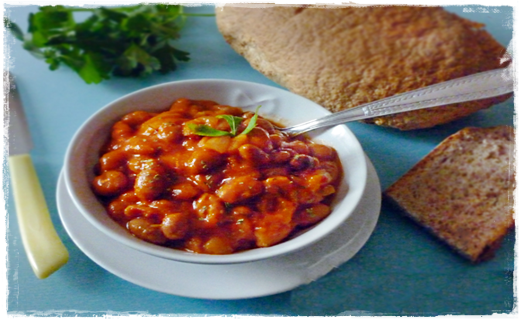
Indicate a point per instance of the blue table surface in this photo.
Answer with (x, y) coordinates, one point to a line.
(400, 271)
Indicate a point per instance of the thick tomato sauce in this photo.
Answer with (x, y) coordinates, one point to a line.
(215, 195)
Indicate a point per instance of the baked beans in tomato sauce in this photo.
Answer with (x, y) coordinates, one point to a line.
(212, 194)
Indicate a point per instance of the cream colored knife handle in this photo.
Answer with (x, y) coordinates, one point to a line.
(45, 251)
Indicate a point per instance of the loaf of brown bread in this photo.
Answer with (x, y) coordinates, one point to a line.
(342, 57)
(462, 191)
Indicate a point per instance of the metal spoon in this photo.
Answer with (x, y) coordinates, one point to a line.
(474, 87)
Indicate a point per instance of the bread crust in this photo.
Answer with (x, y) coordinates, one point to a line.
(347, 56)
(462, 191)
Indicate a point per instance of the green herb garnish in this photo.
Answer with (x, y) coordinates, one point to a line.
(252, 122)
(204, 130)
(233, 121)
(130, 41)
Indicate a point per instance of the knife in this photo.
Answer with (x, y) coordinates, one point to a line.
(45, 251)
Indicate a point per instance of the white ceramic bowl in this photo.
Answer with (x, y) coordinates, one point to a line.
(277, 104)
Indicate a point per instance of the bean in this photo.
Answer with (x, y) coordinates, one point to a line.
(260, 138)
(312, 214)
(165, 127)
(273, 227)
(318, 179)
(110, 183)
(136, 118)
(113, 160)
(195, 109)
(194, 244)
(150, 182)
(333, 169)
(209, 208)
(173, 160)
(304, 196)
(145, 230)
(236, 142)
(139, 145)
(138, 163)
(281, 156)
(133, 211)
(207, 182)
(239, 189)
(273, 172)
(170, 206)
(271, 204)
(327, 190)
(302, 162)
(267, 202)
(277, 139)
(322, 152)
(297, 146)
(141, 210)
(271, 230)
(219, 144)
(190, 141)
(206, 104)
(278, 185)
(241, 211)
(121, 130)
(266, 125)
(254, 154)
(185, 190)
(170, 133)
(225, 109)
(116, 208)
(175, 226)
(237, 166)
(181, 105)
(218, 245)
(242, 230)
(203, 160)
(285, 210)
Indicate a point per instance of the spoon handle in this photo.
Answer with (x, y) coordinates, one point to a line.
(474, 87)
(45, 251)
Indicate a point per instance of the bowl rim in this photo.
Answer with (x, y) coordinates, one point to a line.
(77, 189)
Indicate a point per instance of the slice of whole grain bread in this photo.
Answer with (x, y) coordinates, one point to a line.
(462, 191)
(342, 57)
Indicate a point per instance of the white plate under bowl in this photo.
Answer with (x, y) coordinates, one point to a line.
(277, 104)
(226, 281)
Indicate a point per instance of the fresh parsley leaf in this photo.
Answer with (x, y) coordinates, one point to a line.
(233, 121)
(204, 130)
(14, 29)
(90, 70)
(129, 41)
(135, 61)
(252, 122)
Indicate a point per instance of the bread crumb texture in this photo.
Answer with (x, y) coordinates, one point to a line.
(343, 57)
(462, 191)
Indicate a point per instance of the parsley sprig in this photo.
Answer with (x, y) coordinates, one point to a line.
(130, 41)
(233, 121)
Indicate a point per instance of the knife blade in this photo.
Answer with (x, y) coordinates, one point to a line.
(45, 250)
